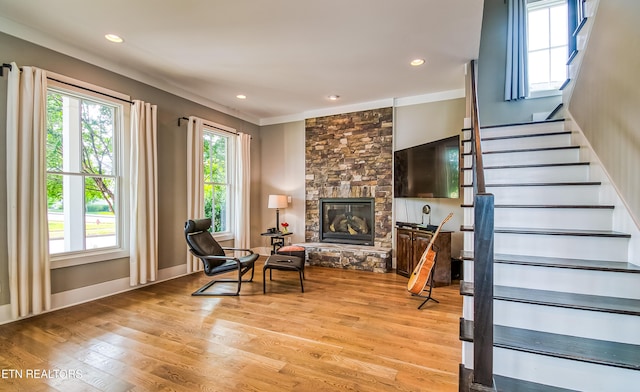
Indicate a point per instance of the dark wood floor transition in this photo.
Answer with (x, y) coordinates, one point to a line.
(349, 331)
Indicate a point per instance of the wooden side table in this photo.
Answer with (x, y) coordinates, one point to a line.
(277, 240)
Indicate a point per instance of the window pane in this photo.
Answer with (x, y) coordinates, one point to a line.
(206, 157)
(217, 156)
(558, 64)
(538, 28)
(558, 22)
(220, 208)
(100, 218)
(55, 213)
(208, 201)
(538, 67)
(54, 132)
(215, 206)
(97, 138)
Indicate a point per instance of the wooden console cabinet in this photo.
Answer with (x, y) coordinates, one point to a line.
(411, 243)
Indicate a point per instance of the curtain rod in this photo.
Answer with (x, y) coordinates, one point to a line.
(88, 89)
(210, 126)
(5, 65)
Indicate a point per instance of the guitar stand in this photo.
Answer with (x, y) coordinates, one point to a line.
(430, 284)
(428, 297)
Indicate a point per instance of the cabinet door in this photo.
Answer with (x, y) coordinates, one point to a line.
(420, 242)
(403, 252)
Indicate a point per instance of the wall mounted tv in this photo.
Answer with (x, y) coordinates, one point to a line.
(430, 170)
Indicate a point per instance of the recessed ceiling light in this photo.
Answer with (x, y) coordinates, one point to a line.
(241, 96)
(114, 38)
(417, 62)
(334, 97)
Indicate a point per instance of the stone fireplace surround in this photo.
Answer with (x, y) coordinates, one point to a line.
(350, 156)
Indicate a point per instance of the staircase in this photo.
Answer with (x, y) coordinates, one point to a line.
(566, 299)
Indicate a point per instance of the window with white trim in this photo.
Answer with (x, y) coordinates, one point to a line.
(218, 166)
(547, 44)
(85, 175)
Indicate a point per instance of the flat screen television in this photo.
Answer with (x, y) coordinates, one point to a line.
(430, 170)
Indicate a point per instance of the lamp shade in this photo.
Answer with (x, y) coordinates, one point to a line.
(277, 201)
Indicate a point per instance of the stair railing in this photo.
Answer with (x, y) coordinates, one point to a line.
(483, 228)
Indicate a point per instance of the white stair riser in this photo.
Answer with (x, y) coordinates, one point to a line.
(572, 247)
(526, 142)
(577, 247)
(564, 321)
(531, 157)
(545, 174)
(530, 129)
(574, 375)
(590, 282)
(559, 218)
(557, 195)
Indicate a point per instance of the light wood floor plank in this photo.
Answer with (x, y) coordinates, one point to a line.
(349, 331)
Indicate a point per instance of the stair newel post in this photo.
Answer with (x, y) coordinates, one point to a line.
(483, 293)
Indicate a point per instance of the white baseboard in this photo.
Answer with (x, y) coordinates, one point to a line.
(91, 293)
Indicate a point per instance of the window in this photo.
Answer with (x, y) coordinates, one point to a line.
(84, 173)
(547, 39)
(217, 160)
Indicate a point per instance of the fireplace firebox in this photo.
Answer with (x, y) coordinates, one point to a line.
(347, 220)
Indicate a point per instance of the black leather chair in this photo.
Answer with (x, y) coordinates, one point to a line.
(203, 246)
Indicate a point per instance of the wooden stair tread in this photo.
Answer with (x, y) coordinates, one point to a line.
(562, 232)
(575, 348)
(521, 150)
(523, 184)
(508, 384)
(587, 302)
(559, 262)
(528, 135)
(563, 164)
(533, 149)
(568, 300)
(516, 124)
(569, 347)
(576, 206)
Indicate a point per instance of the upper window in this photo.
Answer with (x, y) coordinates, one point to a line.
(217, 150)
(547, 39)
(84, 172)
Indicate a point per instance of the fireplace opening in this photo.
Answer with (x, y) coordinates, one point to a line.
(347, 221)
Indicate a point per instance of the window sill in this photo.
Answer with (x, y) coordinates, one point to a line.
(80, 258)
(223, 236)
(544, 94)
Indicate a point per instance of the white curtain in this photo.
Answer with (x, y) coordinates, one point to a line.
(27, 234)
(243, 191)
(516, 84)
(143, 259)
(195, 191)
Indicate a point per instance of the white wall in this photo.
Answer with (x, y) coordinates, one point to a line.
(282, 171)
(423, 123)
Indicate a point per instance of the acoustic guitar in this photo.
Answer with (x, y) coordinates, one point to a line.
(420, 276)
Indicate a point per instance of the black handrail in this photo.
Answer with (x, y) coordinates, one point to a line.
(483, 257)
(478, 167)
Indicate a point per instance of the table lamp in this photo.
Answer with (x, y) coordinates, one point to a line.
(277, 202)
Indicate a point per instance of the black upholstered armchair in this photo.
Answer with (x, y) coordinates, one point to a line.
(203, 246)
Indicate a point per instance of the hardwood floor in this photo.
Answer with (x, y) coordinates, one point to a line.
(349, 331)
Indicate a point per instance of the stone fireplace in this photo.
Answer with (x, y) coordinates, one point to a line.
(350, 156)
(347, 220)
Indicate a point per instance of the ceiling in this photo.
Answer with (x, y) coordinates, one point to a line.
(286, 56)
